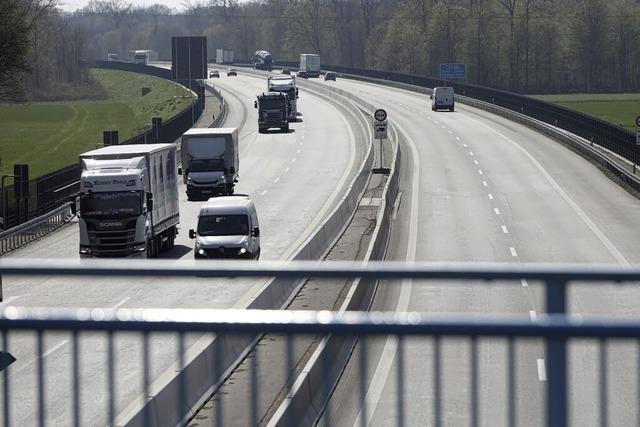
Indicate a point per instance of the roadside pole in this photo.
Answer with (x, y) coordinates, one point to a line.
(380, 133)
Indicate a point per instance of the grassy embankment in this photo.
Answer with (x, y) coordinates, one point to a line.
(50, 135)
(621, 109)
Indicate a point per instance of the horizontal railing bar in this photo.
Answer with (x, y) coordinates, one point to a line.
(33, 222)
(300, 269)
(312, 322)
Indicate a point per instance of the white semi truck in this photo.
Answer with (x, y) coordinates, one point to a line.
(210, 161)
(129, 202)
(310, 64)
(286, 84)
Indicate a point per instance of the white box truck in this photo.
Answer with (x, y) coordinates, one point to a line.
(286, 84)
(310, 64)
(224, 56)
(129, 202)
(210, 161)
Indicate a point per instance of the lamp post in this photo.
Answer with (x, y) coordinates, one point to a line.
(4, 202)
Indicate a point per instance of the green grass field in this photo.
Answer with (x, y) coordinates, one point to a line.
(50, 135)
(621, 109)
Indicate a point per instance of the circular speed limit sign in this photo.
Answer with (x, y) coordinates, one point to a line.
(381, 115)
(637, 120)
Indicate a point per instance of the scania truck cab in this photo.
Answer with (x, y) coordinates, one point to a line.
(129, 202)
(273, 111)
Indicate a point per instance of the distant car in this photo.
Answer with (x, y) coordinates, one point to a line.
(442, 98)
(232, 72)
(286, 71)
(330, 75)
(214, 73)
(303, 74)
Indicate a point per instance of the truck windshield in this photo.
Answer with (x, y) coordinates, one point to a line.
(206, 165)
(223, 225)
(111, 204)
(272, 103)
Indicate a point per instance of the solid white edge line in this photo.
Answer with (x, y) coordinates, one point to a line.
(9, 300)
(565, 196)
(54, 348)
(376, 387)
(264, 192)
(542, 370)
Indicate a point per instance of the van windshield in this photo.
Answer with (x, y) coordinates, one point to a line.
(223, 225)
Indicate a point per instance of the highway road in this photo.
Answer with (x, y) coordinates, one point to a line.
(477, 187)
(294, 179)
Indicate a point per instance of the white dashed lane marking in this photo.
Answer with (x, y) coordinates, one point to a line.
(497, 211)
(505, 230)
(513, 252)
(542, 371)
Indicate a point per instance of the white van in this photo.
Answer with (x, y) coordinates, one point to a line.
(442, 98)
(227, 228)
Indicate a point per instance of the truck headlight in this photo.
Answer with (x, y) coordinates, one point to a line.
(139, 247)
(85, 250)
(201, 251)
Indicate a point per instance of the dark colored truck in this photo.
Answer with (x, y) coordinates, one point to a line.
(273, 111)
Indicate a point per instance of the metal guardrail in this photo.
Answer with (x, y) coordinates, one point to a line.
(556, 329)
(34, 229)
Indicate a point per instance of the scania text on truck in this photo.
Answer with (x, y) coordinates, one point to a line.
(210, 161)
(286, 84)
(310, 64)
(273, 111)
(262, 60)
(129, 204)
(227, 228)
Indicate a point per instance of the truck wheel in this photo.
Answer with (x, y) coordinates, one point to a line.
(229, 189)
(261, 130)
(172, 238)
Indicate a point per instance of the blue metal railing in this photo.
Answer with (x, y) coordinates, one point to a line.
(556, 329)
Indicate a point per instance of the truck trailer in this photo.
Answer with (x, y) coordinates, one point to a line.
(286, 84)
(210, 161)
(224, 56)
(310, 64)
(129, 204)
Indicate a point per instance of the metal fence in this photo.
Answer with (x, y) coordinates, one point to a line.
(421, 365)
(610, 136)
(54, 189)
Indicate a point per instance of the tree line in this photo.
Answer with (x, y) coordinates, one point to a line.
(528, 46)
(41, 52)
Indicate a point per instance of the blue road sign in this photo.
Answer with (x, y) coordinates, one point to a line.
(453, 71)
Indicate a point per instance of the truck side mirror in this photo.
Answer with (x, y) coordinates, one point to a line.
(297, 93)
(73, 205)
(179, 171)
(256, 232)
(149, 201)
(232, 170)
(192, 234)
(255, 104)
(430, 96)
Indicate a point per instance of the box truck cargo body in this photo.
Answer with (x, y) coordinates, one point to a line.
(210, 161)
(129, 203)
(310, 64)
(224, 56)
